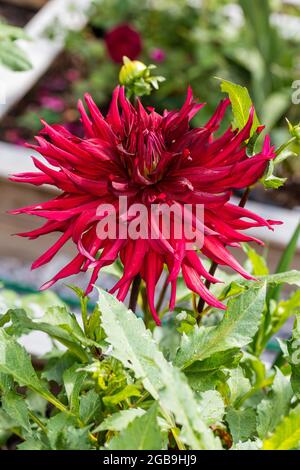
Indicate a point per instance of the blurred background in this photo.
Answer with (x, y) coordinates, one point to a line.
(70, 47)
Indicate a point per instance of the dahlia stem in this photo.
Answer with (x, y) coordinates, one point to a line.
(214, 265)
(135, 292)
(162, 295)
(201, 303)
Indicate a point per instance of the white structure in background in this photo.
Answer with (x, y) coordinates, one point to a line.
(40, 50)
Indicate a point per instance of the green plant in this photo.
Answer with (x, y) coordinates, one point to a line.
(117, 385)
(11, 55)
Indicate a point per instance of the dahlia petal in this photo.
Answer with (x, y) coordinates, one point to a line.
(49, 254)
(87, 123)
(113, 116)
(193, 282)
(69, 270)
(194, 261)
(214, 123)
(103, 129)
(216, 250)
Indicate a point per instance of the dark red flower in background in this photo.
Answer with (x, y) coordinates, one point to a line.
(122, 41)
(150, 158)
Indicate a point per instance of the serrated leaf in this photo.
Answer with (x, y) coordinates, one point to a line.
(284, 264)
(238, 385)
(247, 445)
(57, 365)
(15, 361)
(15, 406)
(259, 265)
(241, 105)
(127, 392)
(56, 426)
(271, 410)
(220, 360)
(134, 346)
(90, 407)
(212, 407)
(76, 439)
(204, 381)
(289, 277)
(32, 444)
(242, 424)
(141, 434)
(58, 323)
(293, 347)
(284, 310)
(73, 382)
(287, 434)
(119, 421)
(271, 181)
(236, 330)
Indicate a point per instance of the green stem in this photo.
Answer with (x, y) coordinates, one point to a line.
(135, 292)
(162, 295)
(37, 421)
(285, 146)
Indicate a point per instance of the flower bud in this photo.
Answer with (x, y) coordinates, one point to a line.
(294, 130)
(137, 78)
(131, 70)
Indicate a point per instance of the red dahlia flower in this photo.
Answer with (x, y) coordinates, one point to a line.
(150, 158)
(122, 41)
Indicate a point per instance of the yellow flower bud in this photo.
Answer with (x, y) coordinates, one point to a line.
(131, 70)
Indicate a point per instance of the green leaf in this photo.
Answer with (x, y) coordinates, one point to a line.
(90, 407)
(271, 410)
(284, 310)
(238, 385)
(236, 330)
(274, 107)
(212, 407)
(73, 382)
(242, 423)
(141, 434)
(247, 445)
(15, 406)
(127, 392)
(119, 421)
(259, 265)
(32, 444)
(287, 434)
(75, 438)
(134, 346)
(220, 360)
(56, 427)
(57, 364)
(12, 56)
(293, 346)
(11, 32)
(289, 277)
(205, 381)
(58, 323)
(257, 16)
(15, 361)
(284, 264)
(241, 105)
(271, 181)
